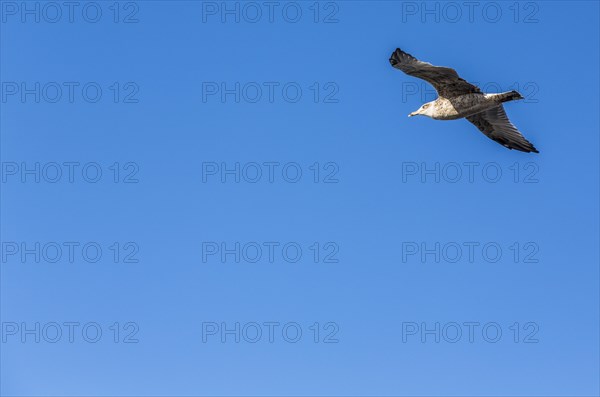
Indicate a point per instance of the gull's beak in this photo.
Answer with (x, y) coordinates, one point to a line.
(413, 114)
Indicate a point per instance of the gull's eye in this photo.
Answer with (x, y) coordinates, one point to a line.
(425, 106)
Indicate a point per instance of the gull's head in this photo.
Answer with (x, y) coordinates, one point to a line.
(425, 110)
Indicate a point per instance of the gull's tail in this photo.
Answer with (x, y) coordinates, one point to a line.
(509, 96)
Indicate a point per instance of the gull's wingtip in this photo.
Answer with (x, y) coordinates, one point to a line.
(395, 57)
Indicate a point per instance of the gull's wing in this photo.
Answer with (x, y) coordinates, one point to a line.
(495, 124)
(446, 81)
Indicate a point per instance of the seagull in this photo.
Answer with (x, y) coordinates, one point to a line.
(459, 99)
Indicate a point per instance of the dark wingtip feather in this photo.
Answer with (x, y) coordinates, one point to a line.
(399, 56)
(395, 57)
(527, 149)
(531, 148)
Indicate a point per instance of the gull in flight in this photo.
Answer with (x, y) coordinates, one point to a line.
(458, 98)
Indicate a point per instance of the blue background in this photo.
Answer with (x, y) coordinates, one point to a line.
(370, 292)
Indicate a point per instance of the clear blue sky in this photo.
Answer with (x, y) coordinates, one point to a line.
(410, 230)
